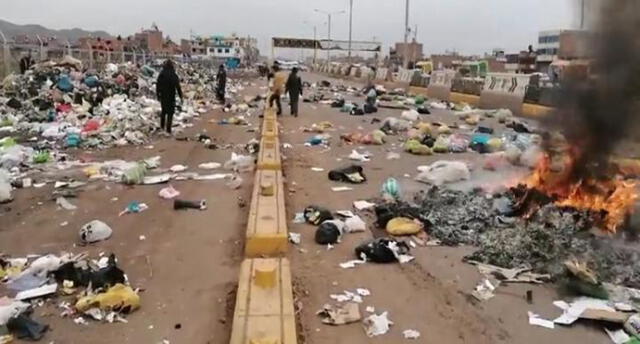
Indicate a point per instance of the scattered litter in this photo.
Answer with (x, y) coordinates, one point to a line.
(354, 224)
(536, 320)
(341, 188)
(342, 315)
(37, 292)
(377, 325)
(484, 290)
(65, 204)
(118, 298)
(178, 168)
(351, 264)
(411, 334)
(134, 208)
(95, 231)
(317, 169)
(618, 336)
(295, 238)
(442, 172)
(209, 166)
(362, 205)
(356, 156)
(182, 204)
(169, 192)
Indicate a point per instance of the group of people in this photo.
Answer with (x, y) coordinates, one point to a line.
(168, 86)
(283, 84)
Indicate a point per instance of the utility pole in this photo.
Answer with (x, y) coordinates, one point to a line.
(315, 44)
(350, 27)
(329, 14)
(582, 15)
(406, 37)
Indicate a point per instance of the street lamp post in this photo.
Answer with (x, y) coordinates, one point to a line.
(350, 27)
(315, 39)
(329, 14)
(5, 53)
(406, 37)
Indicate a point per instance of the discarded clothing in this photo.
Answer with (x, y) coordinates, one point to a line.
(352, 174)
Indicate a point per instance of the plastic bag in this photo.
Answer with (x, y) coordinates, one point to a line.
(410, 115)
(441, 145)
(240, 163)
(329, 232)
(354, 224)
(379, 250)
(391, 187)
(352, 174)
(415, 147)
(5, 187)
(403, 226)
(119, 298)
(95, 231)
(169, 192)
(459, 143)
(316, 215)
(441, 172)
(135, 174)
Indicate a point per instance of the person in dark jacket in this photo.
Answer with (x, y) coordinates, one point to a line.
(25, 63)
(167, 86)
(294, 88)
(222, 83)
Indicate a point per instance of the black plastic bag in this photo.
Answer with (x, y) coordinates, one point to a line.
(484, 130)
(23, 327)
(327, 233)
(316, 215)
(81, 277)
(368, 108)
(14, 103)
(423, 110)
(357, 112)
(337, 103)
(352, 174)
(428, 141)
(379, 251)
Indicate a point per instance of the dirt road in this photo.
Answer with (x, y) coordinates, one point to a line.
(188, 264)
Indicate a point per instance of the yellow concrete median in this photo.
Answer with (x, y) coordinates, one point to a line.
(264, 312)
(267, 224)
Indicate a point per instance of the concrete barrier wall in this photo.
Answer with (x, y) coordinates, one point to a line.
(504, 90)
(440, 84)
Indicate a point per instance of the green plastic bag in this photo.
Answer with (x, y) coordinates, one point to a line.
(42, 157)
(391, 187)
(135, 174)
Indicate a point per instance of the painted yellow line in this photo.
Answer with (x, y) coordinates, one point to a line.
(264, 312)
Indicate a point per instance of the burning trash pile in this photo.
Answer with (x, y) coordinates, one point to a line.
(80, 288)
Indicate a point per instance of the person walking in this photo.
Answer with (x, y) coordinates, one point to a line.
(222, 83)
(294, 88)
(25, 63)
(167, 86)
(277, 88)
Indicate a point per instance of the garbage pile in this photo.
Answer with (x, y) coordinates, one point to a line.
(541, 240)
(60, 106)
(81, 288)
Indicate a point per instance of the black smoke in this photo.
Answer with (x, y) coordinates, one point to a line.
(598, 112)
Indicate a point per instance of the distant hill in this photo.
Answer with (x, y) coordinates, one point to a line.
(10, 30)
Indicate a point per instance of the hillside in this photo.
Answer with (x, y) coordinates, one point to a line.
(10, 30)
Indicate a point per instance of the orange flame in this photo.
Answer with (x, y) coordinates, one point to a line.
(614, 197)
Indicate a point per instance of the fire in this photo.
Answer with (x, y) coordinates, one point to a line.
(614, 197)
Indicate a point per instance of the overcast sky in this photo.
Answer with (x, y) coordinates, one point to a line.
(468, 26)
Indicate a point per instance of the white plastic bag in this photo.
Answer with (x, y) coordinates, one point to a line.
(95, 231)
(5, 187)
(410, 115)
(442, 172)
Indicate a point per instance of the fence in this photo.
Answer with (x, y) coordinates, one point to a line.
(92, 59)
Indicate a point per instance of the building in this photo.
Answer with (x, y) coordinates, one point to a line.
(562, 44)
(150, 40)
(413, 52)
(233, 50)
